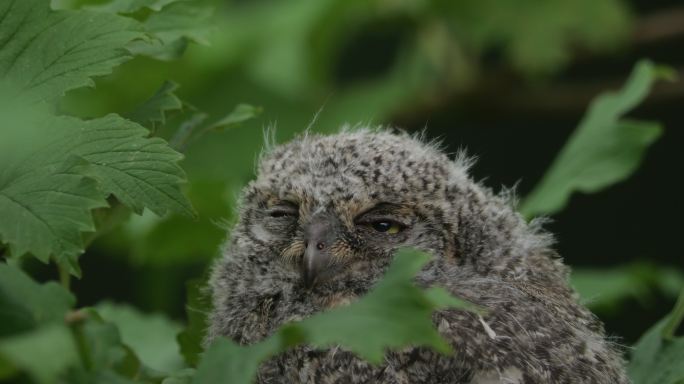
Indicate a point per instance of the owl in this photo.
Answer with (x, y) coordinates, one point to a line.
(319, 226)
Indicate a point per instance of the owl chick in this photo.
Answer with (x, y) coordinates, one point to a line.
(319, 226)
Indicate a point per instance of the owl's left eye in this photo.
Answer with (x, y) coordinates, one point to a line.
(387, 226)
(284, 210)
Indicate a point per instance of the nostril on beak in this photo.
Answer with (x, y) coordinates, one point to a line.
(315, 262)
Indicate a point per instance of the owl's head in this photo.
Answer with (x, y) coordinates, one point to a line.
(327, 212)
(335, 208)
(325, 215)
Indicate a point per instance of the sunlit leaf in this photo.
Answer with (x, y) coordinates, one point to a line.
(604, 149)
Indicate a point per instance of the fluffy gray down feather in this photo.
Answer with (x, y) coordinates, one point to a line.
(340, 188)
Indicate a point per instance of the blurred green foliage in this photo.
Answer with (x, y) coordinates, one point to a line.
(182, 69)
(152, 337)
(604, 149)
(658, 355)
(291, 58)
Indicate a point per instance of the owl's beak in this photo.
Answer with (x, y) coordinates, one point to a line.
(313, 265)
(318, 239)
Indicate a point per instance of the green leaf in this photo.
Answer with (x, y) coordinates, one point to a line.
(240, 114)
(131, 6)
(33, 336)
(152, 337)
(141, 172)
(43, 353)
(47, 209)
(606, 288)
(172, 28)
(45, 53)
(190, 130)
(105, 359)
(102, 344)
(45, 196)
(394, 314)
(7, 369)
(45, 191)
(101, 377)
(197, 307)
(181, 377)
(25, 304)
(514, 27)
(186, 129)
(226, 361)
(181, 20)
(657, 358)
(675, 319)
(152, 113)
(604, 149)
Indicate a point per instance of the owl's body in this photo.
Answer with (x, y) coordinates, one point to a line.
(319, 226)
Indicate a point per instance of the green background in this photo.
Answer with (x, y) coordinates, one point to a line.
(508, 81)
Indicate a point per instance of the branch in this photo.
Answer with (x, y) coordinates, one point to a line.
(659, 26)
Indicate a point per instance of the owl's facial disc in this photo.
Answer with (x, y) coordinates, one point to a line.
(328, 245)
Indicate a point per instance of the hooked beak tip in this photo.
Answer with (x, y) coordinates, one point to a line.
(314, 264)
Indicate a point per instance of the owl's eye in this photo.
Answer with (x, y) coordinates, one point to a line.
(387, 226)
(283, 210)
(282, 214)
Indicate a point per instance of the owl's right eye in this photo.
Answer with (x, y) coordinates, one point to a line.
(283, 210)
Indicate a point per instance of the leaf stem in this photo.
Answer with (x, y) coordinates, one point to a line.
(75, 320)
(180, 139)
(675, 319)
(64, 276)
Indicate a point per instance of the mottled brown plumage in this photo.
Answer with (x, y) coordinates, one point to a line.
(319, 226)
